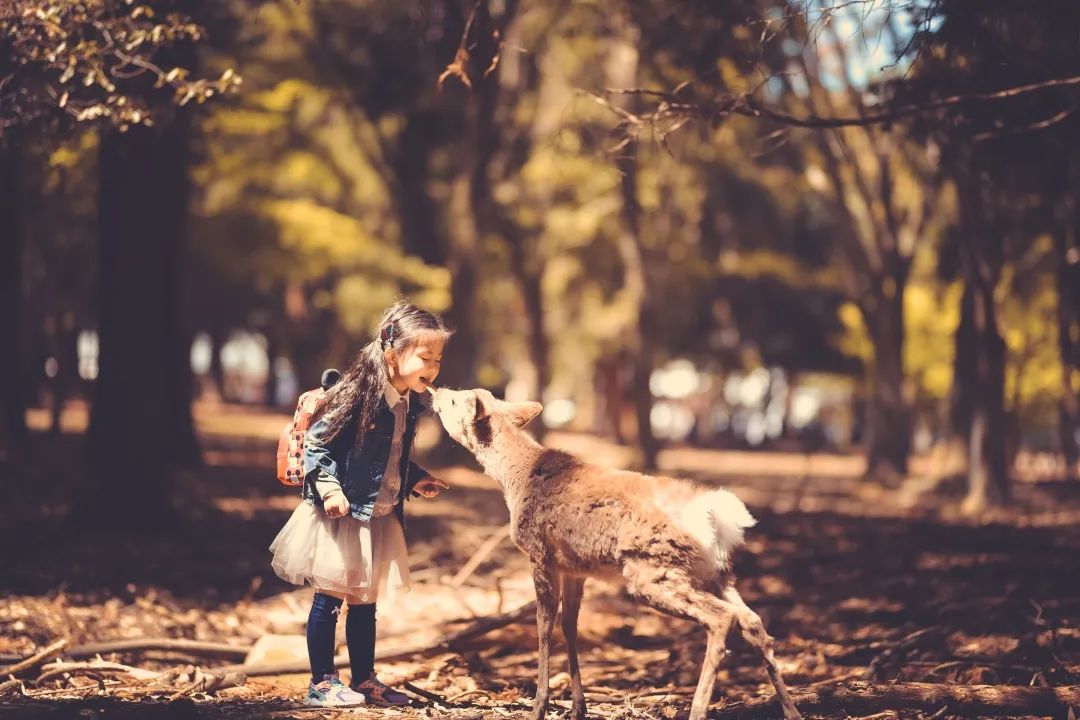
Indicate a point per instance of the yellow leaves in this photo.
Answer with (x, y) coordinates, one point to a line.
(303, 171)
(931, 314)
(283, 95)
(856, 340)
(324, 241)
(1033, 379)
(765, 263)
(732, 76)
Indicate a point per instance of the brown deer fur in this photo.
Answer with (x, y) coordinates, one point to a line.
(667, 540)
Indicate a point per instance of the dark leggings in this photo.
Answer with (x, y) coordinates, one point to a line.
(359, 636)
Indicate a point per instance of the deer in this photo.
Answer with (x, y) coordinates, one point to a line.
(667, 540)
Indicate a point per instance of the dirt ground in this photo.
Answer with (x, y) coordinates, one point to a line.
(846, 578)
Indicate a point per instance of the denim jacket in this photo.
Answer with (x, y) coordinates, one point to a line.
(360, 469)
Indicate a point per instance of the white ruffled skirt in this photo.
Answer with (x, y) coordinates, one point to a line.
(362, 561)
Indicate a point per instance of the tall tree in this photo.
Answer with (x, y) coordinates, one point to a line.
(1012, 161)
(12, 373)
(135, 421)
(119, 65)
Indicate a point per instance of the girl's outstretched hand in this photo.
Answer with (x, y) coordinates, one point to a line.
(430, 486)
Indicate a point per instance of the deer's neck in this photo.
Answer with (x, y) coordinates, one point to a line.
(509, 459)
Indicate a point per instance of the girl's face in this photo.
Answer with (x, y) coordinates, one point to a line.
(416, 366)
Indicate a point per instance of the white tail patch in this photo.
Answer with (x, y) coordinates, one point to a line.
(716, 519)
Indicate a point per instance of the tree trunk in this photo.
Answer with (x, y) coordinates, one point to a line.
(273, 350)
(1068, 317)
(139, 415)
(962, 394)
(949, 457)
(463, 262)
(641, 356)
(888, 438)
(982, 258)
(11, 366)
(66, 381)
(530, 281)
(421, 233)
(471, 220)
(218, 336)
(174, 191)
(622, 71)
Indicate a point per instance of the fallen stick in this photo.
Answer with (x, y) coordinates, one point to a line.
(36, 659)
(469, 693)
(55, 669)
(865, 698)
(480, 555)
(449, 642)
(192, 647)
(87, 689)
(210, 682)
(894, 648)
(426, 694)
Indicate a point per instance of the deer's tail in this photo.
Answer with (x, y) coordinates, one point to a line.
(717, 519)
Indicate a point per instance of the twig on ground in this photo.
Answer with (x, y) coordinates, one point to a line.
(36, 659)
(840, 678)
(192, 647)
(209, 683)
(426, 694)
(469, 693)
(863, 697)
(480, 555)
(75, 690)
(50, 671)
(888, 653)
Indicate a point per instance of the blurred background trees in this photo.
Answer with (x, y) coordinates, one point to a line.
(593, 198)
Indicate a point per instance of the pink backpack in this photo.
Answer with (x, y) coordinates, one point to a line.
(290, 449)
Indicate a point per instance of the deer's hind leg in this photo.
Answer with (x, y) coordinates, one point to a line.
(753, 631)
(674, 592)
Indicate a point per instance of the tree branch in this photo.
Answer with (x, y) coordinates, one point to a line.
(747, 105)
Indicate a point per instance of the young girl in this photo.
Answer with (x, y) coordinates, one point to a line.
(346, 539)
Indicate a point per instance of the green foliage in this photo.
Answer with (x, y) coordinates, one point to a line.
(291, 197)
(113, 60)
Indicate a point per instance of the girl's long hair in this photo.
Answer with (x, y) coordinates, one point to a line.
(355, 398)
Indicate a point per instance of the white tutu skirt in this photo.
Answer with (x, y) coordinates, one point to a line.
(362, 561)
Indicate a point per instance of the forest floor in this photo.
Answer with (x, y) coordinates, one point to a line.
(853, 582)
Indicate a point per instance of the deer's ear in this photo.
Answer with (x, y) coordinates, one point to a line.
(482, 409)
(521, 413)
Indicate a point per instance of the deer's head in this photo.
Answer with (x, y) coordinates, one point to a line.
(474, 417)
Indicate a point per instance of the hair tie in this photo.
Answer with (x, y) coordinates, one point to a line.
(386, 333)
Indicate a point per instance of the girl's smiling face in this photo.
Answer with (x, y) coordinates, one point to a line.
(415, 367)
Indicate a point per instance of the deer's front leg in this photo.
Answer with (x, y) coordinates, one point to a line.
(571, 603)
(546, 581)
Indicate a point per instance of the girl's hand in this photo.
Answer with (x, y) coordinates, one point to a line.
(430, 486)
(336, 505)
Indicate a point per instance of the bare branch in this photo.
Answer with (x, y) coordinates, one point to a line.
(749, 106)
